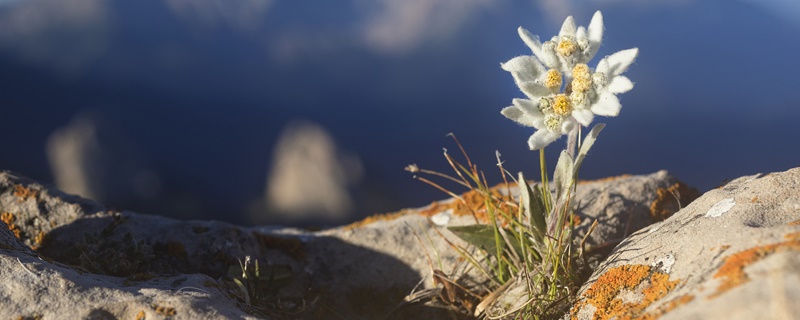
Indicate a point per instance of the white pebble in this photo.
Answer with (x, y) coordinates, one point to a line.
(441, 219)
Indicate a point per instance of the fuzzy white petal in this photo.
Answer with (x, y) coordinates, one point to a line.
(583, 116)
(531, 108)
(620, 84)
(524, 68)
(531, 40)
(568, 28)
(603, 66)
(580, 33)
(533, 89)
(607, 105)
(619, 61)
(542, 138)
(595, 34)
(550, 59)
(517, 115)
(528, 106)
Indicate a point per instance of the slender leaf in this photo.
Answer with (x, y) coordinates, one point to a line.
(483, 237)
(532, 202)
(479, 235)
(563, 175)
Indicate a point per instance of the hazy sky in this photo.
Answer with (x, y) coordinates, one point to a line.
(202, 88)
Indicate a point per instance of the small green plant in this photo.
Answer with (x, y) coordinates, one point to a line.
(528, 243)
(259, 290)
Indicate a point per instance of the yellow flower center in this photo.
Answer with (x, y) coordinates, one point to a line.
(553, 79)
(582, 78)
(581, 70)
(567, 46)
(561, 105)
(581, 84)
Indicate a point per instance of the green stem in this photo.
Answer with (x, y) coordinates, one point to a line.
(545, 184)
(497, 237)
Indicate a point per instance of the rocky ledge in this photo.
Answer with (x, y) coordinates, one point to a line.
(733, 252)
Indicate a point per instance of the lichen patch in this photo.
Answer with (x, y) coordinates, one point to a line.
(10, 220)
(23, 193)
(474, 204)
(669, 200)
(732, 273)
(607, 293)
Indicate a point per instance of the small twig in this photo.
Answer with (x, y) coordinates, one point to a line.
(26, 268)
(469, 163)
(193, 288)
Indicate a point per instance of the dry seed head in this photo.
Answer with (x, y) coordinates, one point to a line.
(599, 79)
(544, 104)
(553, 122)
(583, 44)
(562, 105)
(567, 46)
(553, 79)
(577, 98)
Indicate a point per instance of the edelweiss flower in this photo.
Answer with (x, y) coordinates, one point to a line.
(550, 116)
(572, 45)
(586, 92)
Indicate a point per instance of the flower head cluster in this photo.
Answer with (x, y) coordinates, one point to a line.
(562, 89)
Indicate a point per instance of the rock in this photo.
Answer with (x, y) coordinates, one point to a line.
(83, 259)
(734, 253)
(88, 157)
(310, 177)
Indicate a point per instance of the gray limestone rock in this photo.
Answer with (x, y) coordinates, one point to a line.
(91, 260)
(734, 253)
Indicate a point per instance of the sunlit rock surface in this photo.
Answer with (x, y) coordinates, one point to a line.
(734, 253)
(79, 258)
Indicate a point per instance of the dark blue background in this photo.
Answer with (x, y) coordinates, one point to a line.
(204, 92)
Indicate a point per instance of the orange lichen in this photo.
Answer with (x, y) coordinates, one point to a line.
(475, 204)
(140, 315)
(754, 200)
(375, 218)
(164, 311)
(38, 240)
(289, 246)
(794, 223)
(9, 220)
(732, 273)
(604, 293)
(576, 220)
(23, 193)
(666, 204)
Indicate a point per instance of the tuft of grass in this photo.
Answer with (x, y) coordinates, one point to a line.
(526, 249)
(259, 289)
